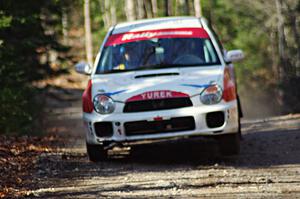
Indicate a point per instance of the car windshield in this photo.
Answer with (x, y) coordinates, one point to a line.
(157, 53)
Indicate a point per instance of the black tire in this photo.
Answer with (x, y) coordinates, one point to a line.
(240, 129)
(96, 153)
(240, 115)
(240, 107)
(229, 144)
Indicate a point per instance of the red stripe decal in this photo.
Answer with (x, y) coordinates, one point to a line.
(152, 95)
(162, 33)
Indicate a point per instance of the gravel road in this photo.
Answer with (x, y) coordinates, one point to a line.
(268, 166)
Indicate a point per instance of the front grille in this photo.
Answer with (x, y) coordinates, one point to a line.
(164, 126)
(158, 104)
(103, 129)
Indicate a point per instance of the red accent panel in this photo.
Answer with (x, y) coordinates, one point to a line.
(229, 93)
(87, 104)
(157, 118)
(162, 33)
(152, 95)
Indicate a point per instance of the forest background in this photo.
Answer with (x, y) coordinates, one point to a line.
(45, 38)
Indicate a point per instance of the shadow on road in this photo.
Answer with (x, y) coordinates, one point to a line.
(261, 150)
(192, 164)
(258, 149)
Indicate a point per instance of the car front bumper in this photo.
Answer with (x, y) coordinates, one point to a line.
(118, 120)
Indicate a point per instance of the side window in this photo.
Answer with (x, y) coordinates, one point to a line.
(209, 52)
(106, 61)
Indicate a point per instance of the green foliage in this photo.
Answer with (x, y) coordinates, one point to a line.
(252, 26)
(4, 20)
(239, 29)
(31, 29)
(23, 40)
(18, 110)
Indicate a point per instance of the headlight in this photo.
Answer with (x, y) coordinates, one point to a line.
(103, 104)
(211, 95)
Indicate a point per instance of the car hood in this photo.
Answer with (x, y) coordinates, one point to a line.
(127, 85)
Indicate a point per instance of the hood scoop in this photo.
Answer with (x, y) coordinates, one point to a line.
(155, 75)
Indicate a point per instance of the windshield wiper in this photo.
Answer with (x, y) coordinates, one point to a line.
(166, 65)
(117, 71)
(145, 67)
(156, 66)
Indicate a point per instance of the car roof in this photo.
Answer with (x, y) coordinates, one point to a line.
(157, 23)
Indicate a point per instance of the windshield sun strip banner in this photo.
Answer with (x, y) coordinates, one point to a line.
(150, 34)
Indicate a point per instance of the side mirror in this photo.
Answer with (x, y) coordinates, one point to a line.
(83, 68)
(234, 55)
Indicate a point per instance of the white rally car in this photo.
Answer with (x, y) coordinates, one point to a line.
(160, 79)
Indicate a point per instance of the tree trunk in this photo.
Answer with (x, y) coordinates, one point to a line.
(107, 20)
(179, 6)
(176, 9)
(129, 10)
(148, 9)
(281, 42)
(113, 12)
(140, 9)
(286, 72)
(154, 7)
(168, 7)
(88, 34)
(197, 6)
(212, 4)
(166, 2)
(295, 31)
(186, 7)
(273, 50)
(64, 23)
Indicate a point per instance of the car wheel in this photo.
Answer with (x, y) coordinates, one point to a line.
(240, 115)
(240, 129)
(229, 144)
(96, 153)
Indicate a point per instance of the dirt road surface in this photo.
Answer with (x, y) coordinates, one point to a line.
(268, 166)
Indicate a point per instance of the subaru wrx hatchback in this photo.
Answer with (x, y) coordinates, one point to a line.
(159, 79)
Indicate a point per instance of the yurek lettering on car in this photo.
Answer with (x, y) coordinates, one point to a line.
(160, 79)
